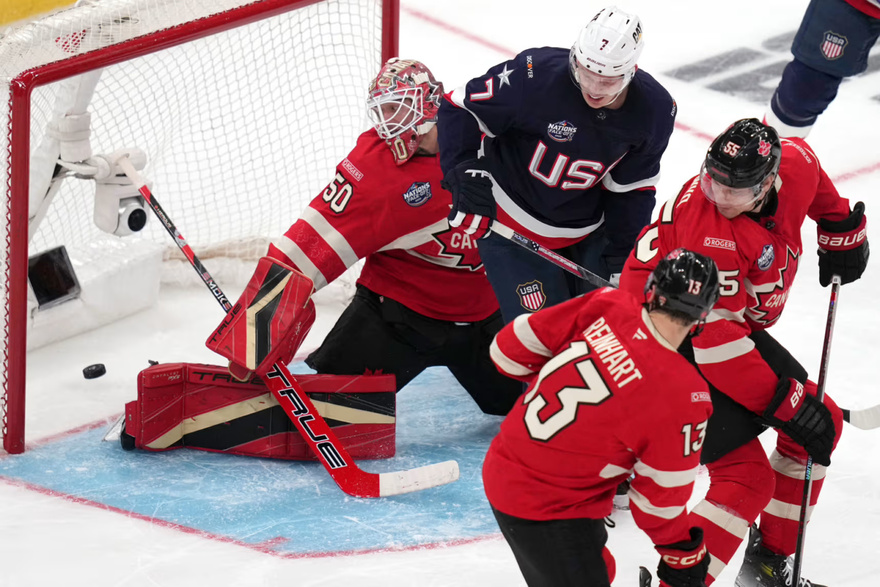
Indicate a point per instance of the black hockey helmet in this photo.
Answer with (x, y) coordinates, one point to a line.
(744, 155)
(684, 282)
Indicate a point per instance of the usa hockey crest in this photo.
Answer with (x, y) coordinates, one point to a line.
(833, 45)
(531, 295)
(418, 193)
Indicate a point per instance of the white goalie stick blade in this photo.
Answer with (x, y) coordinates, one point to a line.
(867, 419)
(115, 430)
(417, 479)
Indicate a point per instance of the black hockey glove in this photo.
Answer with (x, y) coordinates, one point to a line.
(804, 418)
(843, 247)
(685, 563)
(473, 205)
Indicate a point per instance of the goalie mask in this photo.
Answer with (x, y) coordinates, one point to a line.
(603, 59)
(403, 104)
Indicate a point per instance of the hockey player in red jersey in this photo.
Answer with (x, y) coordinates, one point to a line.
(422, 298)
(745, 210)
(608, 396)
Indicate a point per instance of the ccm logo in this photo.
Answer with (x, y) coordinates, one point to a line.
(683, 562)
(843, 242)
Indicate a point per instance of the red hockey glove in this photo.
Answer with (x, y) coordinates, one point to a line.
(843, 247)
(804, 418)
(268, 322)
(685, 563)
(473, 205)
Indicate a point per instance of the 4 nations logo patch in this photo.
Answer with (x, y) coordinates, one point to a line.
(531, 295)
(766, 258)
(562, 131)
(418, 193)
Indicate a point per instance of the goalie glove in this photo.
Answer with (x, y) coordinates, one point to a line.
(803, 418)
(473, 205)
(843, 247)
(268, 322)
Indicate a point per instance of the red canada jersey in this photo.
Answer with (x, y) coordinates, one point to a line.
(396, 218)
(757, 260)
(608, 396)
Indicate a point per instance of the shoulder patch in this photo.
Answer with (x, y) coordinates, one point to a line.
(700, 396)
(351, 169)
(418, 193)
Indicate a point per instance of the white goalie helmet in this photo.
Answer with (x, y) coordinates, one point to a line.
(609, 46)
(403, 102)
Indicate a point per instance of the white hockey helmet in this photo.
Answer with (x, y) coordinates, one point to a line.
(403, 102)
(610, 45)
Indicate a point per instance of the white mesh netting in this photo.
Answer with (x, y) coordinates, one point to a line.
(241, 128)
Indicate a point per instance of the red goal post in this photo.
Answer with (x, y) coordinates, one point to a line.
(242, 108)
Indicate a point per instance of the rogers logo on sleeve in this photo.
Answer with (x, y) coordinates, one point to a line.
(719, 243)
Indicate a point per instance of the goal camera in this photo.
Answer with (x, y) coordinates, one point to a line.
(119, 208)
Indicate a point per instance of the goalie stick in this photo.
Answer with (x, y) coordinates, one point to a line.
(299, 408)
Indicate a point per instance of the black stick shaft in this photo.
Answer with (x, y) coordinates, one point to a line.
(820, 394)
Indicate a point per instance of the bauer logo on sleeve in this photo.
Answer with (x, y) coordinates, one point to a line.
(418, 193)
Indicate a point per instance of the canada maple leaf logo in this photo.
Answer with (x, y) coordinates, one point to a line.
(763, 148)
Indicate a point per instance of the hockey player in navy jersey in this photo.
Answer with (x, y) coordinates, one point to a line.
(832, 43)
(571, 154)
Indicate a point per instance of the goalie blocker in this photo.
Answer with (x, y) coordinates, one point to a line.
(185, 405)
(268, 322)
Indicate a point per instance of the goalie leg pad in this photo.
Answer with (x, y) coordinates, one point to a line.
(269, 321)
(184, 405)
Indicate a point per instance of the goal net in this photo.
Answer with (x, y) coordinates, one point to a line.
(242, 109)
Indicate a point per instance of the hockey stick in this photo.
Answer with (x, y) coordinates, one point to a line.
(549, 254)
(820, 394)
(299, 408)
(867, 419)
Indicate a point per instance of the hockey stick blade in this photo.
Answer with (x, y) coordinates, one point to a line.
(320, 438)
(867, 419)
(549, 254)
(296, 404)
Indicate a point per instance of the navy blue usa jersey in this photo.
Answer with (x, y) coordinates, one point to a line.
(563, 168)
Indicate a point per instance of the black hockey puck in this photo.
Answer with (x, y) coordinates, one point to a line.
(93, 371)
